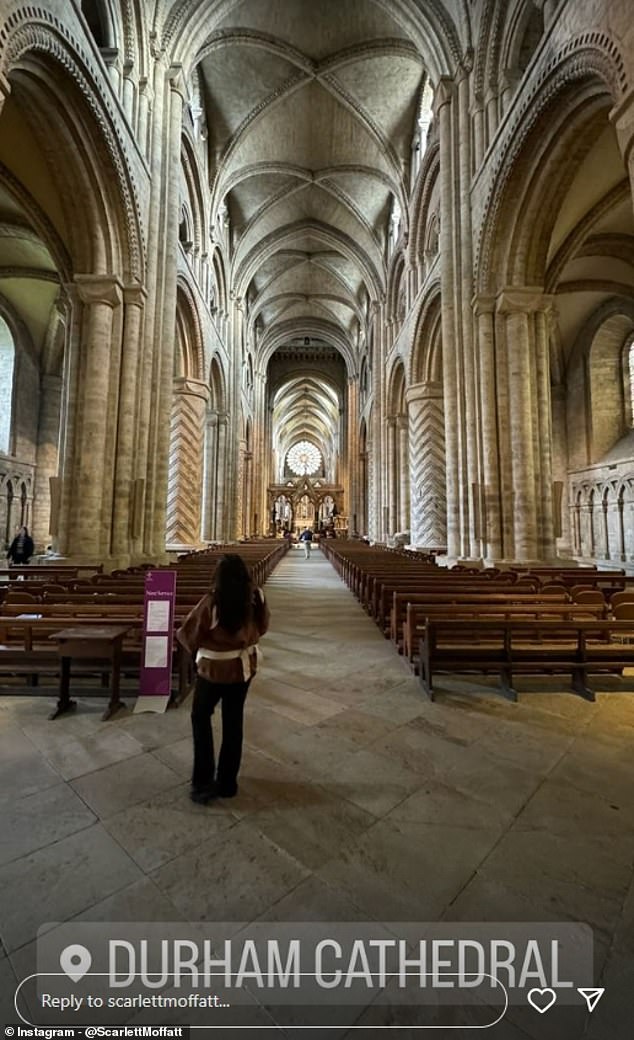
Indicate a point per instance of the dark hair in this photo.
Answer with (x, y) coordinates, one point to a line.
(233, 592)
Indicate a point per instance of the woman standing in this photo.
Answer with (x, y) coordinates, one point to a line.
(223, 631)
(21, 548)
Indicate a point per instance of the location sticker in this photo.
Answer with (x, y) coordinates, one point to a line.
(75, 960)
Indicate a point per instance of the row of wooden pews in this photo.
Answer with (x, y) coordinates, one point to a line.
(530, 621)
(34, 610)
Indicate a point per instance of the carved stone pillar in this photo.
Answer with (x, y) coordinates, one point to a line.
(428, 488)
(403, 474)
(210, 476)
(46, 457)
(168, 317)
(392, 476)
(184, 495)
(221, 527)
(478, 117)
(529, 411)
(240, 489)
(444, 104)
(92, 476)
(353, 451)
(490, 505)
(134, 300)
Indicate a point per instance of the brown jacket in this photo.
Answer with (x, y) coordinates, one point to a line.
(200, 630)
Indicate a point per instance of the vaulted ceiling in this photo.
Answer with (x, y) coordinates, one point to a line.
(311, 109)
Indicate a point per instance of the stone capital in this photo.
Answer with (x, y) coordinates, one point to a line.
(135, 295)
(444, 93)
(523, 300)
(191, 388)
(176, 80)
(483, 305)
(110, 56)
(426, 391)
(97, 288)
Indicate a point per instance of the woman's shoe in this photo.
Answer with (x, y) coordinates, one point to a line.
(203, 795)
(227, 792)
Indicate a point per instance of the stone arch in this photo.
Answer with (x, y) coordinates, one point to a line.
(54, 82)
(597, 411)
(396, 288)
(196, 200)
(426, 354)
(217, 384)
(426, 181)
(398, 482)
(523, 31)
(103, 22)
(556, 119)
(189, 339)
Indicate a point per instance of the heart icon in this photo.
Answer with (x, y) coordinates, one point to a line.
(541, 999)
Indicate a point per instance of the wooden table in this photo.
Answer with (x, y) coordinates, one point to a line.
(97, 642)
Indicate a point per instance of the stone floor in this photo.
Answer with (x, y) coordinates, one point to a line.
(359, 800)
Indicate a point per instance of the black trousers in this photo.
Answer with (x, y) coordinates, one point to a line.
(206, 696)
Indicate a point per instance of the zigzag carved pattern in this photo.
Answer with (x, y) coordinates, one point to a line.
(427, 472)
(184, 485)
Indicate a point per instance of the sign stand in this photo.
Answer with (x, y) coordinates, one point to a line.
(155, 681)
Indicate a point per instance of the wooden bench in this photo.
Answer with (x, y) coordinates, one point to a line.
(505, 648)
(404, 622)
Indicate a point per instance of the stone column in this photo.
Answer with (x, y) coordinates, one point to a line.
(128, 93)
(210, 476)
(240, 489)
(221, 526)
(428, 487)
(247, 523)
(92, 478)
(134, 300)
(544, 432)
(168, 316)
(403, 474)
(46, 457)
(143, 111)
(518, 359)
(491, 105)
(392, 476)
(467, 373)
(529, 418)
(353, 451)
(443, 102)
(184, 489)
(490, 519)
(150, 361)
(479, 147)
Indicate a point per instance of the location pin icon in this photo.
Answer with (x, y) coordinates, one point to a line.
(75, 960)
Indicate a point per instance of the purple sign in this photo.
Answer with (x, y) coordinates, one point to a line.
(158, 632)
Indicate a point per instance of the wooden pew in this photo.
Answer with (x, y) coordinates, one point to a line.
(578, 648)
(405, 622)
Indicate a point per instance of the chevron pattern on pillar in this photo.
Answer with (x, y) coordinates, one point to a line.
(185, 471)
(427, 472)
